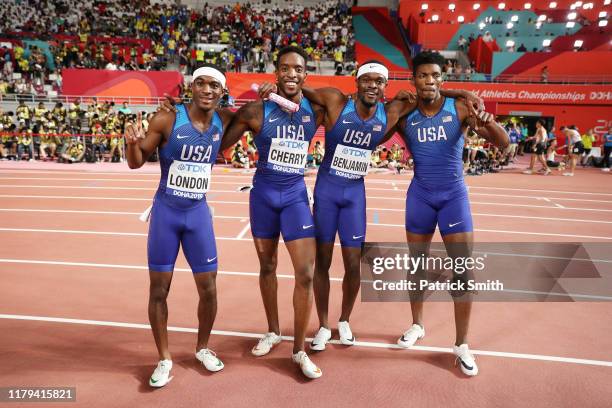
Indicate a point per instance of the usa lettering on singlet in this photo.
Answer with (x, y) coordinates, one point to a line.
(350, 142)
(188, 157)
(284, 140)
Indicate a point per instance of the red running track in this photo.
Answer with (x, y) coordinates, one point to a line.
(74, 293)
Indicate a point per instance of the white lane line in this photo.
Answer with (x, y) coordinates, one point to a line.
(559, 205)
(216, 175)
(57, 197)
(368, 344)
(137, 234)
(153, 188)
(139, 267)
(243, 232)
(243, 219)
(232, 217)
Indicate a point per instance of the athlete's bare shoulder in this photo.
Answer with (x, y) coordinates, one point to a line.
(162, 122)
(226, 115)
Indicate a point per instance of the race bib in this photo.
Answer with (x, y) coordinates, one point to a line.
(188, 179)
(288, 156)
(350, 162)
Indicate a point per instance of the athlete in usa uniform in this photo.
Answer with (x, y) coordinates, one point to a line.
(278, 202)
(188, 143)
(434, 133)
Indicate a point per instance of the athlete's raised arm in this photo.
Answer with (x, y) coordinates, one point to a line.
(141, 145)
(247, 118)
(484, 124)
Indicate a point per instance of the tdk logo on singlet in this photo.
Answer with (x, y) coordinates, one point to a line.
(431, 134)
(193, 168)
(196, 153)
(355, 152)
(295, 132)
(292, 144)
(356, 137)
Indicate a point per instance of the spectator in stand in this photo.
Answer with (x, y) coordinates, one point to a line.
(544, 75)
(607, 150)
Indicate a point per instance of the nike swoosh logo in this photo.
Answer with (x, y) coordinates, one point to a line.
(403, 339)
(306, 226)
(273, 120)
(210, 260)
(360, 236)
(153, 381)
(181, 137)
(465, 365)
(452, 225)
(344, 121)
(415, 123)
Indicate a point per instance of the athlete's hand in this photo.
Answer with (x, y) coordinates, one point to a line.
(134, 132)
(475, 104)
(266, 89)
(168, 105)
(404, 95)
(485, 118)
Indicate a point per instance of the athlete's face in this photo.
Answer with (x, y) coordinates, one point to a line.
(427, 81)
(206, 92)
(371, 88)
(291, 74)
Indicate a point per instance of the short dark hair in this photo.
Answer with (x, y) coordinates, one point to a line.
(540, 121)
(288, 50)
(427, 57)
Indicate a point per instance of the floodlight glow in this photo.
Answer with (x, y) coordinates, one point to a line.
(578, 43)
(546, 43)
(571, 16)
(424, 6)
(527, 6)
(501, 6)
(460, 19)
(476, 6)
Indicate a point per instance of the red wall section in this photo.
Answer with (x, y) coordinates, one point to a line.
(565, 63)
(96, 82)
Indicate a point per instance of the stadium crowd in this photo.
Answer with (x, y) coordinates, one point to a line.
(112, 35)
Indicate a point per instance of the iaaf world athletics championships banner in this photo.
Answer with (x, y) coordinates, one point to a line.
(156, 83)
(240, 85)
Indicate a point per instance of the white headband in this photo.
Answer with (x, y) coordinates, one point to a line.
(373, 68)
(211, 72)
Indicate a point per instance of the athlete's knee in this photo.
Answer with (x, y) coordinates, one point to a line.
(158, 292)
(267, 267)
(304, 277)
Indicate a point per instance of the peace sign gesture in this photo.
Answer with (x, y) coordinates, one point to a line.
(134, 132)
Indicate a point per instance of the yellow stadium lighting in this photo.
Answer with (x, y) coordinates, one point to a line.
(553, 4)
(542, 17)
(570, 24)
(571, 16)
(602, 23)
(476, 6)
(603, 14)
(424, 6)
(451, 7)
(435, 17)
(501, 6)
(527, 6)
(578, 43)
(546, 43)
(460, 19)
